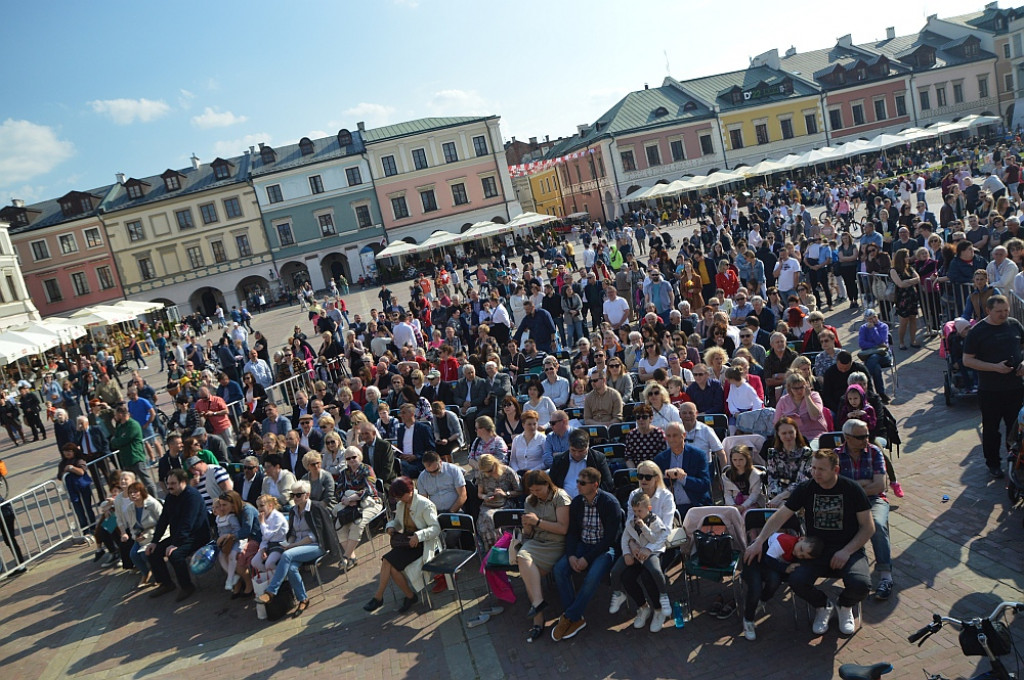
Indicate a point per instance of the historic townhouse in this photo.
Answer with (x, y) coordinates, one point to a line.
(319, 209)
(16, 307)
(190, 237)
(64, 251)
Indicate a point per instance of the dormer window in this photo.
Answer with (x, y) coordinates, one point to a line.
(862, 73)
(267, 154)
(344, 138)
(21, 219)
(172, 183)
(305, 146)
(690, 106)
(660, 111)
(221, 168)
(971, 49)
(134, 191)
(85, 204)
(67, 207)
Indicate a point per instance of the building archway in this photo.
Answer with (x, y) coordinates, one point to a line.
(206, 299)
(294, 274)
(250, 287)
(498, 220)
(335, 265)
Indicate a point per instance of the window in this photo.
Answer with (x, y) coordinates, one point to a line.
(1008, 82)
(326, 222)
(926, 102)
(184, 218)
(106, 277)
(134, 191)
(232, 208)
(1006, 51)
(93, 238)
(221, 170)
(353, 176)
(490, 187)
(419, 159)
(983, 87)
(388, 163)
(628, 162)
(429, 200)
(244, 248)
(80, 283)
(858, 114)
(52, 290)
(459, 194)
(901, 105)
(835, 119)
(736, 138)
(761, 131)
(653, 156)
(880, 109)
(787, 128)
(480, 146)
(135, 232)
(676, 148)
(707, 146)
(209, 213)
(316, 184)
(11, 287)
(68, 244)
(284, 233)
(958, 93)
(450, 154)
(305, 146)
(940, 95)
(195, 257)
(40, 251)
(274, 193)
(146, 269)
(363, 218)
(399, 207)
(172, 182)
(219, 254)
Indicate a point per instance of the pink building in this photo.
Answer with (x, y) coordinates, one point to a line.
(65, 256)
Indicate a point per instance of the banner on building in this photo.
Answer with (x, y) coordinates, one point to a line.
(523, 169)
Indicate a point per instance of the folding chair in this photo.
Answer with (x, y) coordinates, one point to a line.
(627, 409)
(574, 413)
(613, 453)
(598, 433)
(508, 519)
(625, 483)
(829, 440)
(450, 561)
(719, 422)
(693, 570)
(617, 431)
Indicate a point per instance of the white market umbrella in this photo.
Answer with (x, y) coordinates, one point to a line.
(722, 177)
(65, 333)
(765, 167)
(789, 162)
(138, 307)
(439, 239)
(101, 315)
(12, 350)
(530, 219)
(885, 141)
(41, 341)
(397, 249)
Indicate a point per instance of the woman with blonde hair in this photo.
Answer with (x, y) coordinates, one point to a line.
(716, 358)
(497, 488)
(359, 502)
(663, 411)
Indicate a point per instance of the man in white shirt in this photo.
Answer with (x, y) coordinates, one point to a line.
(754, 238)
(501, 324)
(1001, 270)
(403, 334)
(616, 309)
(786, 273)
(588, 257)
(556, 388)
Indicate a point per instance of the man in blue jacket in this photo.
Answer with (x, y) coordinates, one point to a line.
(185, 515)
(540, 326)
(414, 439)
(686, 470)
(595, 518)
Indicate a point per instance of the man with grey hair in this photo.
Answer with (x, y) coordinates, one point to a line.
(1001, 270)
(499, 384)
(249, 483)
(863, 462)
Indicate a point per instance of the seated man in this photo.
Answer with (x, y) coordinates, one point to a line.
(837, 511)
(863, 462)
(184, 519)
(707, 393)
(700, 436)
(566, 466)
(557, 440)
(377, 452)
(470, 394)
(603, 405)
(555, 386)
(414, 439)
(686, 470)
(595, 518)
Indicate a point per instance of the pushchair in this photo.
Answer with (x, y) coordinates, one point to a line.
(1015, 461)
(958, 382)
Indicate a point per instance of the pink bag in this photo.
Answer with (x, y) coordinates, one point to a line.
(498, 581)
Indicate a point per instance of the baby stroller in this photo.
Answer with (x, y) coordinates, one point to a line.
(958, 381)
(1015, 461)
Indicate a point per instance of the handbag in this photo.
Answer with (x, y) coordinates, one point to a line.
(83, 482)
(882, 291)
(714, 551)
(514, 546)
(676, 538)
(399, 540)
(498, 558)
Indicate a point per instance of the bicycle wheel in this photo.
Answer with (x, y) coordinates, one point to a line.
(3, 486)
(855, 228)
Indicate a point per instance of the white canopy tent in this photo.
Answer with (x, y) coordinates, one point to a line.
(102, 315)
(11, 350)
(52, 326)
(396, 249)
(530, 219)
(138, 307)
(765, 167)
(40, 341)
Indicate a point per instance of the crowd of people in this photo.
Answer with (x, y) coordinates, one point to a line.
(531, 383)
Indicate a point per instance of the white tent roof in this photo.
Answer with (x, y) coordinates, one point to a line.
(648, 192)
(397, 248)
(13, 349)
(765, 167)
(138, 307)
(789, 161)
(438, 239)
(884, 141)
(530, 219)
(40, 341)
(102, 315)
(815, 156)
(722, 177)
(64, 332)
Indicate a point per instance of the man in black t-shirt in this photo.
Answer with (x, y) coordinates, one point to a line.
(837, 511)
(994, 349)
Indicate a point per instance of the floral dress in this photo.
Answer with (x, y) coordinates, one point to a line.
(787, 469)
(907, 299)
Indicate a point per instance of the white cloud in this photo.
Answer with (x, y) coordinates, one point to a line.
(456, 102)
(185, 98)
(374, 115)
(28, 150)
(212, 118)
(212, 84)
(411, 4)
(234, 147)
(127, 111)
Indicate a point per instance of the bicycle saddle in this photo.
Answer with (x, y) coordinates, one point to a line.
(851, 671)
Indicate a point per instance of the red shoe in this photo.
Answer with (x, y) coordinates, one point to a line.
(897, 489)
(440, 585)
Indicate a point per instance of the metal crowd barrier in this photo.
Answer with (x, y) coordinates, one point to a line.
(938, 303)
(35, 523)
(1016, 306)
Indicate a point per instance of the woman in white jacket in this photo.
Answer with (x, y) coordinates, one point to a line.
(143, 516)
(665, 411)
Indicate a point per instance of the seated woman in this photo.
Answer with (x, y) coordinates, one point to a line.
(321, 482)
(147, 512)
(787, 459)
(545, 523)
(497, 488)
(741, 482)
(644, 441)
(358, 501)
(310, 536)
(414, 532)
(487, 441)
(662, 410)
(528, 448)
(803, 405)
(447, 429)
(250, 535)
(510, 419)
(538, 403)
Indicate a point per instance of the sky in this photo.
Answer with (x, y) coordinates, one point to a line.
(93, 89)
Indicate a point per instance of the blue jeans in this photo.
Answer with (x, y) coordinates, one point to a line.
(289, 565)
(139, 559)
(874, 365)
(880, 539)
(573, 332)
(576, 602)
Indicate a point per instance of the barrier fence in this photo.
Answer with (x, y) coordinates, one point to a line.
(938, 301)
(35, 523)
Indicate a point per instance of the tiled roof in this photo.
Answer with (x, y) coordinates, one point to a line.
(817, 63)
(290, 156)
(715, 88)
(193, 181)
(415, 127)
(49, 212)
(902, 46)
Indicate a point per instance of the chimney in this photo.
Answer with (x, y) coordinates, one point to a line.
(582, 128)
(195, 161)
(533, 141)
(890, 33)
(252, 149)
(361, 126)
(120, 177)
(791, 51)
(17, 203)
(646, 86)
(547, 138)
(845, 41)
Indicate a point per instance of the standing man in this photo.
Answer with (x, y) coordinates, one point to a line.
(993, 348)
(540, 326)
(184, 513)
(215, 410)
(30, 407)
(131, 454)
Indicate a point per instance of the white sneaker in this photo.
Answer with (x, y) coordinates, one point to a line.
(642, 615)
(821, 619)
(618, 599)
(658, 620)
(749, 630)
(847, 623)
(666, 605)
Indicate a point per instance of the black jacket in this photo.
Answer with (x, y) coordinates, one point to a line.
(381, 457)
(100, 444)
(186, 517)
(255, 488)
(610, 512)
(322, 526)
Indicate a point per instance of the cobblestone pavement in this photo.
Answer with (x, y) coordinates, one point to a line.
(68, 618)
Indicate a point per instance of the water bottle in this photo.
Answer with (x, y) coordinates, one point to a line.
(679, 612)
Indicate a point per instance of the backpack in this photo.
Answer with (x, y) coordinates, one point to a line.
(891, 430)
(714, 551)
(756, 422)
(282, 603)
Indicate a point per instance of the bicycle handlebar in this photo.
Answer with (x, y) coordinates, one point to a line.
(938, 620)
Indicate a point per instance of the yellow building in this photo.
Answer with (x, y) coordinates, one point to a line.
(191, 238)
(547, 192)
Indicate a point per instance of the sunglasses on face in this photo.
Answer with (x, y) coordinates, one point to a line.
(644, 478)
(351, 457)
(643, 417)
